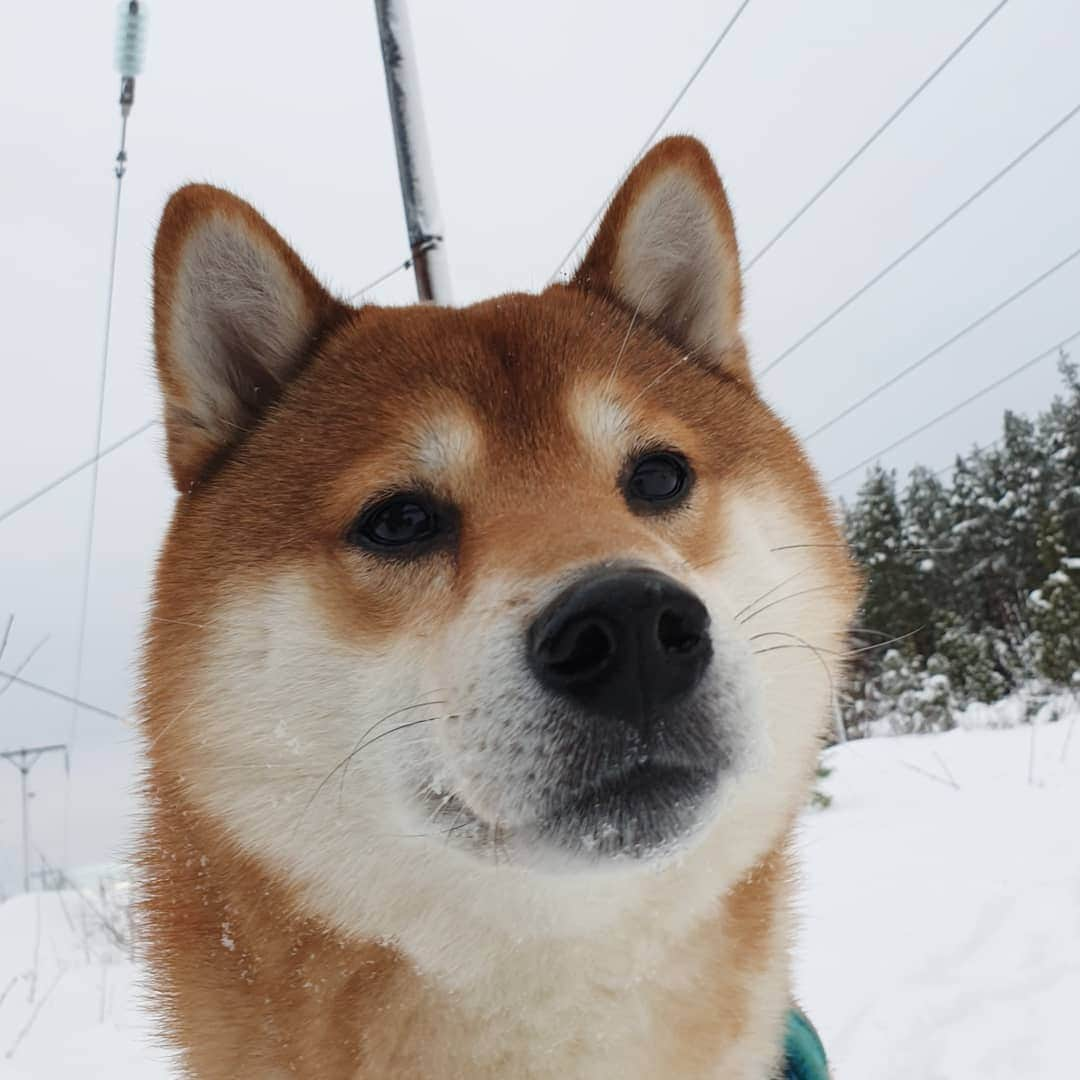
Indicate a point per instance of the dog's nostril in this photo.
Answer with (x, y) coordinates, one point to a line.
(676, 633)
(580, 650)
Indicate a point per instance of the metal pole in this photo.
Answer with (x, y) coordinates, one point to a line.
(23, 773)
(422, 216)
(24, 759)
(838, 720)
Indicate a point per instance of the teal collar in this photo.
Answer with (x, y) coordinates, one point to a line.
(804, 1056)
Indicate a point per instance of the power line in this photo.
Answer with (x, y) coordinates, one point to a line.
(938, 349)
(395, 269)
(978, 451)
(956, 408)
(909, 251)
(12, 510)
(718, 41)
(128, 61)
(975, 452)
(48, 690)
(24, 663)
(895, 115)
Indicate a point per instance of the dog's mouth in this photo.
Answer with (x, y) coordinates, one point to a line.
(638, 813)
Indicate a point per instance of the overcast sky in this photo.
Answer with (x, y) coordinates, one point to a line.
(534, 111)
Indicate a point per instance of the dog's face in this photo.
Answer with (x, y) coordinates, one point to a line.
(539, 583)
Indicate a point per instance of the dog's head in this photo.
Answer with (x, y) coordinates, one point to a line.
(539, 583)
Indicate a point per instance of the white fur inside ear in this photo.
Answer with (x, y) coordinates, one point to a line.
(239, 321)
(678, 266)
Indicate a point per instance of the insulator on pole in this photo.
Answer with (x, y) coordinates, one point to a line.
(130, 48)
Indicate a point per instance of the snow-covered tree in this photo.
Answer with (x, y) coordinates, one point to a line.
(926, 544)
(1056, 617)
(980, 574)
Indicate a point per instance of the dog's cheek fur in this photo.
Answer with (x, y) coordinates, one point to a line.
(325, 813)
(276, 696)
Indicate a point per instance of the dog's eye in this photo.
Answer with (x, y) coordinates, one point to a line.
(397, 524)
(657, 480)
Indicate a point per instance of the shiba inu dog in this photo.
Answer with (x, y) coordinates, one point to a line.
(488, 660)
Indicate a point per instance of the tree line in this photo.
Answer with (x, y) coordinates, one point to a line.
(975, 570)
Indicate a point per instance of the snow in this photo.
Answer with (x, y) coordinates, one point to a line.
(941, 906)
(940, 920)
(70, 1005)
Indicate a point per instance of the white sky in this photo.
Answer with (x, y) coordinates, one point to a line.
(534, 111)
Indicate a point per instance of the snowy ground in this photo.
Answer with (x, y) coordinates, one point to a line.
(941, 936)
(941, 924)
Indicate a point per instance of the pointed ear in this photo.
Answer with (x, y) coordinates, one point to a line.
(666, 250)
(235, 314)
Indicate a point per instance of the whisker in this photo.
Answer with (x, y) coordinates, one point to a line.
(455, 825)
(846, 655)
(702, 346)
(182, 713)
(393, 731)
(798, 547)
(626, 340)
(843, 544)
(785, 599)
(378, 723)
(178, 622)
(781, 633)
(753, 603)
(887, 642)
(344, 763)
(804, 644)
(652, 382)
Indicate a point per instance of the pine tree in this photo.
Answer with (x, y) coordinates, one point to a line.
(876, 535)
(985, 570)
(1059, 427)
(926, 544)
(1056, 616)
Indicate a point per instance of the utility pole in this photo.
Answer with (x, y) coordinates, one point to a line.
(422, 216)
(24, 759)
(838, 718)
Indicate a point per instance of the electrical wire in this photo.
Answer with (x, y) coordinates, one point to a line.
(878, 132)
(396, 269)
(956, 408)
(978, 451)
(70, 699)
(717, 42)
(12, 510)
(909, 251)
(938, 349)
(103, 375)
(975, 452)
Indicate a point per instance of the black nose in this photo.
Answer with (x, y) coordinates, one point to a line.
(622, 643)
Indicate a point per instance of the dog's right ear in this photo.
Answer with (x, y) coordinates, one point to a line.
(235, 313)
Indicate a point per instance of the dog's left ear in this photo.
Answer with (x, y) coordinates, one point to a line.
(666, 250)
